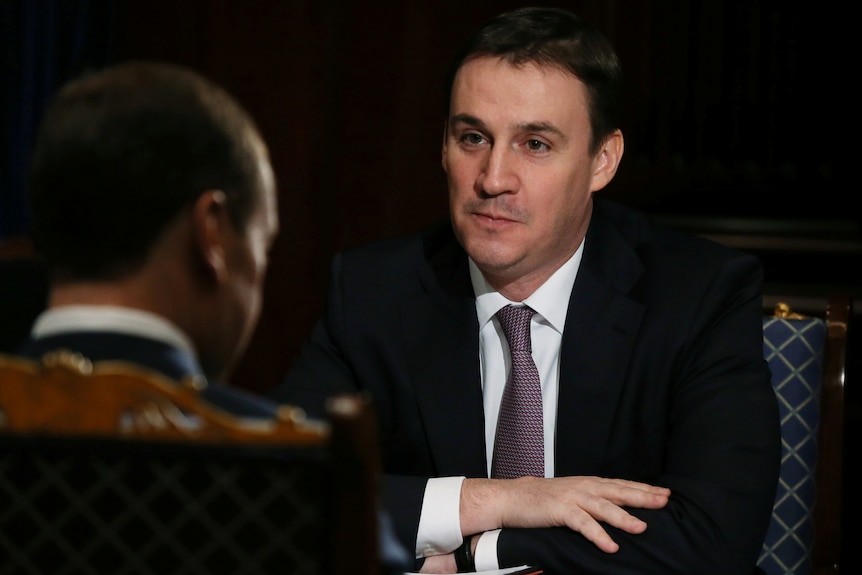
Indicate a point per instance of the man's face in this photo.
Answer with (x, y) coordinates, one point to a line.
(247, 261)
(516, 154)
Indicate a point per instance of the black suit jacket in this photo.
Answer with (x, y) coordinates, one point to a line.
(662, 380)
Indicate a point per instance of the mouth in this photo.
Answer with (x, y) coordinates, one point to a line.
(493, 223)
(493, 218)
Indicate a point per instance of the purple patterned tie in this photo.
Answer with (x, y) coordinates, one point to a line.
(519, 447)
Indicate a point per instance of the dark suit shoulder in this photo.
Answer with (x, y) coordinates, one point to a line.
(645, 234)
(158, 356)
(439, 237)
(433, 257)
(665, 269)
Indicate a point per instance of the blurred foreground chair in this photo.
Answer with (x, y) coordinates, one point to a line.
(105, 468)
(807, 356)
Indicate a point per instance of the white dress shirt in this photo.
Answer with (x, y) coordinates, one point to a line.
(74, 318)
(439, 523)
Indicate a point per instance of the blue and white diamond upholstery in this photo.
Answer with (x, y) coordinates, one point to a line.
(794, 350)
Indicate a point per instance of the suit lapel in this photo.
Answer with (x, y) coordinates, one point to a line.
(441, 336)
(601, 327)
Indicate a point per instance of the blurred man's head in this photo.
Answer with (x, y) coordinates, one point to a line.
(151, 187)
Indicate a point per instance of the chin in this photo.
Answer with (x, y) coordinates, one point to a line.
(492, 256)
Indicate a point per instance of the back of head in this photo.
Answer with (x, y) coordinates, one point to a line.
(557, 38)
(123, 151)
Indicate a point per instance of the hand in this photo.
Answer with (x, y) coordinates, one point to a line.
(578, 503)
(445, 563)
(439, 564)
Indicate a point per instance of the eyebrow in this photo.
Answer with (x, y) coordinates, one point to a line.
(541, 127)
(467, 119)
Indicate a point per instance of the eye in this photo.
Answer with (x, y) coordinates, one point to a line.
(472, 138)
(536, 145)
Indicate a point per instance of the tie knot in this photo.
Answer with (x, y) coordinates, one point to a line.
(515, 321)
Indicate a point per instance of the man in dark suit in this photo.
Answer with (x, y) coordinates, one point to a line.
(657, 436)
(154, 207)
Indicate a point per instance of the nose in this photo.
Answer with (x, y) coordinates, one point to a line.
(498, 175)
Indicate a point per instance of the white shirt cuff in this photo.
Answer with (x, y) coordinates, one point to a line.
(440, 521)
(485, 556)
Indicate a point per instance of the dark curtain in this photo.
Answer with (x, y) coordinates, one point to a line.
(43, 43)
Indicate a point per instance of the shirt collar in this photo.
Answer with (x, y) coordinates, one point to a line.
(89, 318)
(551, 300)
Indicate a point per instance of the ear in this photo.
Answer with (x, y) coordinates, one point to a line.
(209, 226)
(607, 161)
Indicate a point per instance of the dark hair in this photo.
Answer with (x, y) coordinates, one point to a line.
(553, 37)
(122, 151)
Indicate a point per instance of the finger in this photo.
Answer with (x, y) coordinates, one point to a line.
(623, 494)
(635, 485)
(603, 510)
(584, 524)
